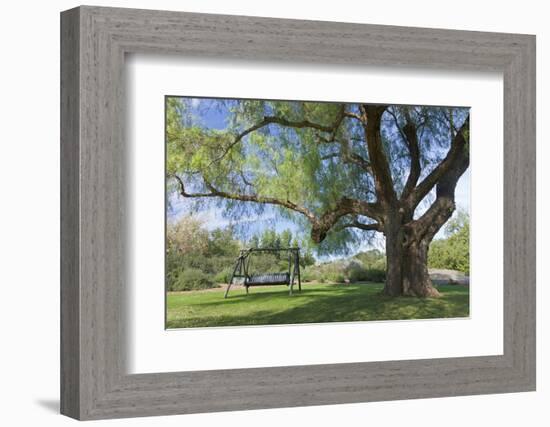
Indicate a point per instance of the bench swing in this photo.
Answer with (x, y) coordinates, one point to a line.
(242, 268)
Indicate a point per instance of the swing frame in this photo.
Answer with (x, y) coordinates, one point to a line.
(242, 264)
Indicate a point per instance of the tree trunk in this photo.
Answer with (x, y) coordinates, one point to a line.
(394, 257)
(416, 279)
(407, 266)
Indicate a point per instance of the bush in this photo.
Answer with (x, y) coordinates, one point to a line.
(223, 276)
(336, 276)
(310, 275)
(358, 273)
(375, 275)
(192, 279)
(370, 257)
(454, 251)
(379, 264)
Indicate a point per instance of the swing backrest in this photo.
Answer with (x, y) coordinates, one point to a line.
(268, 279)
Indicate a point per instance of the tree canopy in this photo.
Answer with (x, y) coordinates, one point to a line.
(310, 160)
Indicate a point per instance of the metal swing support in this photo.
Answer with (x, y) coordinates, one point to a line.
(241, 270)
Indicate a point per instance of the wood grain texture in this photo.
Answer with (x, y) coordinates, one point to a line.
(94, 267)
(70, 313)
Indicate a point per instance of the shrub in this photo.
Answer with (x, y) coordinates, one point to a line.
(191, 279)
(223, 276)
(454, 251)
(358, 273)
(336, 276)
(171, 278)
(266, 262)
(310, 275)
(379, 264)
(375, 275)
(370, 257)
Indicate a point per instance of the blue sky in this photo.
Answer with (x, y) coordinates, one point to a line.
(213, 216)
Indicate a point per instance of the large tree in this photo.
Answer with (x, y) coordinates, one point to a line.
(345, 171)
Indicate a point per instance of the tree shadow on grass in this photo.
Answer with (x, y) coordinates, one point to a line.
(334, 304)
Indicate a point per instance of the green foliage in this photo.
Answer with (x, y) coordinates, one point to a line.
(222, 243)
(372, 259)
(265, 262)
(369, 266)
(312, 275)
(306, 258)
(197, 258)
(460, 220)
(224, 276)
(335, 276)
(358, 273)
(254, 241)
(187, 236)
(271, 239)
(192, 279)
(452, 252)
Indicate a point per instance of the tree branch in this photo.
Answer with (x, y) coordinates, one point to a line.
(330, 156)
(320, 225)
(456, 152)
(411, 140)
(245, 180)
(375, 226)
(300, 124)
(383, 181)
(267, 120)
(214, 192)
(427, 226)
(345, 206)
(353, 116)
(444, 205)
(347, 155)
(396, 121)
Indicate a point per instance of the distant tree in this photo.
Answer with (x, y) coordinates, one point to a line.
(286, 239)
(197, 258)
(343, 171)
(452, 252)
(254, 241)
(457, 222)
(187, 236)
(222, 242)
(370, 257)
(306, 254)
(306, 258)
(270, 239)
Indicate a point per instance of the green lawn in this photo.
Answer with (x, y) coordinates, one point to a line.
(316, 303)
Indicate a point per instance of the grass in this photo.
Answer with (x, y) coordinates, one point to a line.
(316, 303)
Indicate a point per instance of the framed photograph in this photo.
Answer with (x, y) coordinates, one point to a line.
(262, 213)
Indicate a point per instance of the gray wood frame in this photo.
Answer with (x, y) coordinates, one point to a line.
(94, 382)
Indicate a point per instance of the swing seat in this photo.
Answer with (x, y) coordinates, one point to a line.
(268, 279)
(240, 272)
